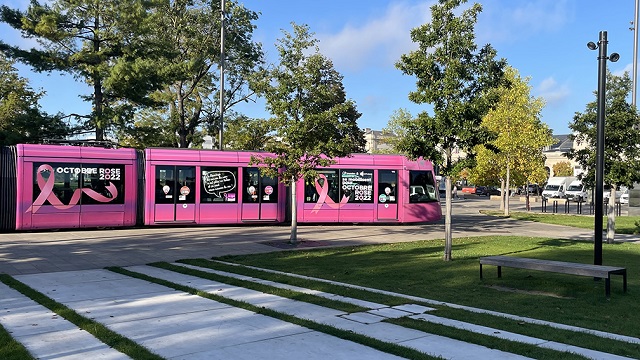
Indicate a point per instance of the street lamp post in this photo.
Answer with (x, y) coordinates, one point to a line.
(602, 88)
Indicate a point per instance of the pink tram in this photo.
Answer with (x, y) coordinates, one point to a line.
(55, 186)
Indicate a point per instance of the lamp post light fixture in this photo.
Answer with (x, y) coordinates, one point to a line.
(602, 82)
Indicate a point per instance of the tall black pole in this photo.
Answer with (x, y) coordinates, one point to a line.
(602, 74)
(222, 56)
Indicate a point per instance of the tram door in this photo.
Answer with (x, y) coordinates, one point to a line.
(387, 194)
(175, 194)
(259, 196)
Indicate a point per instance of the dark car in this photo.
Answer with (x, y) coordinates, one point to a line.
(481, 190)
(492, 190)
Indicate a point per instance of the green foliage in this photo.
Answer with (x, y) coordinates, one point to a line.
(104, 43)
(521, 136)
(243, 133)
(190, 33)
(455, 77)
(562, 168)
(21, 119)
(622, 134)
(313, 120)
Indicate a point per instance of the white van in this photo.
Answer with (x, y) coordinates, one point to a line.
(576, 191)
(557, 186)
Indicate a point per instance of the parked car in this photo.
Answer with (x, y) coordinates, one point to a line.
(481, 190)
(469, 189)
(492, 190)
(624, 198)
(534, 189)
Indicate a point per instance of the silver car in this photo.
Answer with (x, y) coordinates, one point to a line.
(624, 198)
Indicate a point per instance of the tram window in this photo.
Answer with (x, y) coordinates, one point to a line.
(422, 187)
(219, 185)
(326, 184)
(357, 185)
(104, 184)
(269, 189)
(65, 178)
(387, 181)
(165, 184)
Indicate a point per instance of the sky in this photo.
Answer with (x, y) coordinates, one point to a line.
(545, 40)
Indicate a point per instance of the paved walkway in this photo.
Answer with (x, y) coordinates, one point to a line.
(68, 267)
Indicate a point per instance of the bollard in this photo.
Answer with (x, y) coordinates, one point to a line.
(543, 205)
(566, 206)
(555, 206)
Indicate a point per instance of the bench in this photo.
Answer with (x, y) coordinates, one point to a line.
(596, 271)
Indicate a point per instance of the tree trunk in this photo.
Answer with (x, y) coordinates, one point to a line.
(506, 203)
(503, 198)
(611, 216)
(447, 221)
(293, 239)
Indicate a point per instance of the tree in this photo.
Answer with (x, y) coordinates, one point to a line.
(105, 43)
(191, 28)
(622, 134)
(521, 135)
(313, 119)
(562, 168)
(21, 119)
(454, 76)
(243, 133)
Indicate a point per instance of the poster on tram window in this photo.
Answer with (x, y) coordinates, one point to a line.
(219, 185)
(357, 185)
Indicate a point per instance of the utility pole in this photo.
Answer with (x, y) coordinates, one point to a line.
(635, 54)
(220, 146)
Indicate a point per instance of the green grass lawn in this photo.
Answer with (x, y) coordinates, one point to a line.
(417, 269)
(624, 224)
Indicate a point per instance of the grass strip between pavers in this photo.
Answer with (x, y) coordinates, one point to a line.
(290, 294)
(10, 349)
(584, 340)
(443, 330)
(383, 346)
(101, 332)
(296, 281)
(544, 332)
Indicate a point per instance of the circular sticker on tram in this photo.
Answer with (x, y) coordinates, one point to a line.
(382, 198)
(268, 190)
(184, 206)
(166, 189)
(185, 190)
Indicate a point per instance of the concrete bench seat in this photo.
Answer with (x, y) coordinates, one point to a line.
(596, 271)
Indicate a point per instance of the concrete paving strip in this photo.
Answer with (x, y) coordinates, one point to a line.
(45, 334)
(378, 313)
(506, 335)
(428, 343)
(182, 326)
(603, 334)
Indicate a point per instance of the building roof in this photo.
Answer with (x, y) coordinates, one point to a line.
(562, 144)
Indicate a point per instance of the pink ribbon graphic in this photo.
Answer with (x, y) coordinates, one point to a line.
(46, 192)
(323, 191)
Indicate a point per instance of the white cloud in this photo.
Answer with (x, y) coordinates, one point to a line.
(380, 41)
(626, 69)
(552, 92)
(509, 21)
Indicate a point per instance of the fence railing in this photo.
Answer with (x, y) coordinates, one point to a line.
(575, 206)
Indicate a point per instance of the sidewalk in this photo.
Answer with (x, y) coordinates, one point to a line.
(68, 267)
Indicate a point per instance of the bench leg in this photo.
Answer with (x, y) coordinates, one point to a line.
(607, 285)
(499, 271)
(624, 280)
(481, 271)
